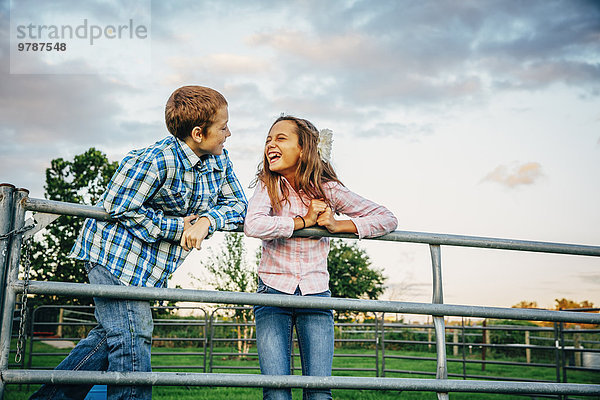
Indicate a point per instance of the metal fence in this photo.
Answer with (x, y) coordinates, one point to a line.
(219, 336)
(15, 202)
(550, 347)
(81, 320)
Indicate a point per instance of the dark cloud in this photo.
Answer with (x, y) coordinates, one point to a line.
(46, 116)
(354, 60)
(394, 53)
(416, 53)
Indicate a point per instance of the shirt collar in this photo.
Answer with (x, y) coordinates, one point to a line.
(189, 158)
(289, 185)
(205, 163)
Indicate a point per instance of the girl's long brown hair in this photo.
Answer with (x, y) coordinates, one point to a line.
(311, 173)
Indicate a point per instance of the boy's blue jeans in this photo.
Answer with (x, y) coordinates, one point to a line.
(120, 342)
(274, 328)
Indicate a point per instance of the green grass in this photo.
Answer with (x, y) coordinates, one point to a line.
(18, 392)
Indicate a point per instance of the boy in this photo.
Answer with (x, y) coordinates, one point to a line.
(164, 200)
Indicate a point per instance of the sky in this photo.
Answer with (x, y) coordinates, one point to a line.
(477, 118)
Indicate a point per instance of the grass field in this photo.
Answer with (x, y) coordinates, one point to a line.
(362, 361)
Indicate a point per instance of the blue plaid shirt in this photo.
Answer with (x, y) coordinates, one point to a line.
(150, 193)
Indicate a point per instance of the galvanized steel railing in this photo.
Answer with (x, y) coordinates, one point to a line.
(87, 320)
(15, 202)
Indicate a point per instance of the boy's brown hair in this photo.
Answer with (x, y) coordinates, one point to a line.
(191, 106)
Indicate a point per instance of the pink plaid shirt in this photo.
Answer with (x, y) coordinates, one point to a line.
(286, 262)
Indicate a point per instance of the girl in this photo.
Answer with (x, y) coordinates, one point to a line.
(298, 188)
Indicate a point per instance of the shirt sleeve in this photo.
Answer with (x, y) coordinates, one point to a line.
(260, 223)
(230, 208)
(133, 184)
(371, 219)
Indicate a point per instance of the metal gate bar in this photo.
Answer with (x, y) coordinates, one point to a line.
(21, 203)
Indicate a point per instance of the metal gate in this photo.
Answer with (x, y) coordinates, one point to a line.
(15, 202)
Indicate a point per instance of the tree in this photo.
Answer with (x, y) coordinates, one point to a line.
(351, 274)
(81, 180)
(561, 304)
(526, 304)
(229, 267)
(565, 304)
(230, 272)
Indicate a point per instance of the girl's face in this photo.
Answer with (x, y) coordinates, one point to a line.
(282, 150)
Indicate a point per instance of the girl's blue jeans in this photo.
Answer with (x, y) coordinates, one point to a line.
(120, 342)
(274, 328)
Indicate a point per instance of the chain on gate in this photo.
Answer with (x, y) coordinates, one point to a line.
(26, 262)
(26, 246)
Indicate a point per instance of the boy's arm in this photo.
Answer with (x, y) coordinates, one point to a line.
(132, 185)
(230, 209)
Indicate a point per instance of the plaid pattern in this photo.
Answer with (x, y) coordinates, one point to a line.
(288, 263)
(150, 193)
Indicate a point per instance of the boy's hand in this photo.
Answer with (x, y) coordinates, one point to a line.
(194, 234)
(189, 221)
(327, 221)
(314, 209)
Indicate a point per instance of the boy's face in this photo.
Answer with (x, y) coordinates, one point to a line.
(214, 139)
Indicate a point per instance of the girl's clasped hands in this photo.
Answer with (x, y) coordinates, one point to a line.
(319, 213)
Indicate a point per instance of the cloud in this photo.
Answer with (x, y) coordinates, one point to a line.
(47, 116)
(525, 174)
(590, 277)
(438, 53)
(410, 131)
(219, 64)
(330, 50)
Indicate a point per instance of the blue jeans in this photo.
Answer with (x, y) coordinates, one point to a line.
(120, 342)
(274, 329)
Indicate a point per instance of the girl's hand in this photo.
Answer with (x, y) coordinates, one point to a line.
(314, 209)
(327, 221)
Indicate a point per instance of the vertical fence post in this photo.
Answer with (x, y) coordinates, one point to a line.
(438, 322)
(12, 276)
(428, 335)
(205, 341)
(455, 340)
(6, 222)
(576, 347)
(484, 339)
(464, 356)
(211, 329)
(32, 317)
(376, 345)
(563, 353)
(527, 350)
(557, 351)
(383, 345)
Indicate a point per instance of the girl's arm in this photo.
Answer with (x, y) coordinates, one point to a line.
(261, 224)
(369, 219)
(327, 221)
